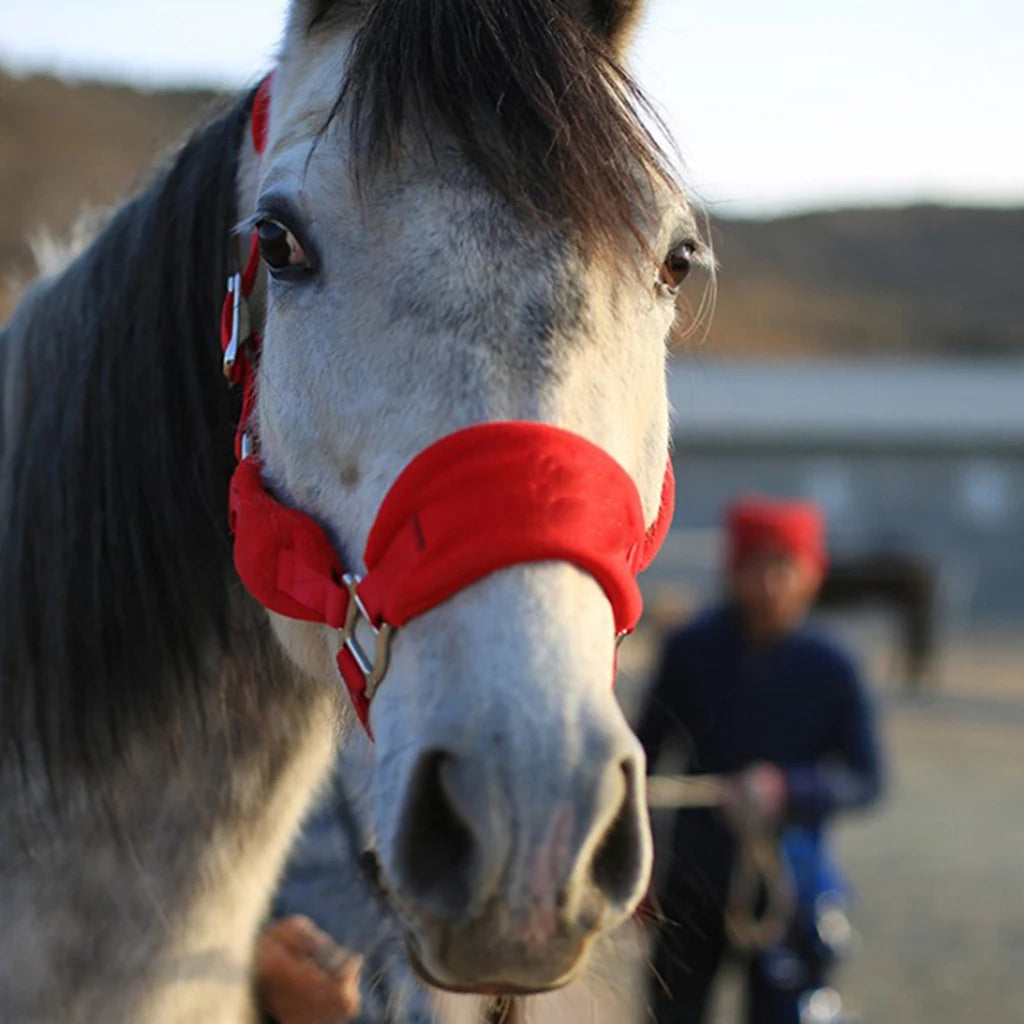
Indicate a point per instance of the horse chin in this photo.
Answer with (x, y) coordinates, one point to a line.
(504, 971)
(491, 986)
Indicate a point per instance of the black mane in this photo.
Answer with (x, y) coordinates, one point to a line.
(537, 102)
(115, 456)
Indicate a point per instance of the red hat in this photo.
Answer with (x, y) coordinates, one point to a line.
(757, 524)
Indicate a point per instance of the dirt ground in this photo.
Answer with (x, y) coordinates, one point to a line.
(939, 873)
(938, 870)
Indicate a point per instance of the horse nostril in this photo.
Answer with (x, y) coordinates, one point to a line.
(435, 844)
(618, 862)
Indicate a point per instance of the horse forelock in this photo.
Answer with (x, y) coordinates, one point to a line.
(535, 100)
(115, 452)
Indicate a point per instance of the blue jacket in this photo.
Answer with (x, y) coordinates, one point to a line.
(798, 703)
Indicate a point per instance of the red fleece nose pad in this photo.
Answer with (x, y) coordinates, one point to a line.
(477, 501)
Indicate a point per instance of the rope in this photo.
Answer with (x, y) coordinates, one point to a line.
(759, 872)
(684, 791)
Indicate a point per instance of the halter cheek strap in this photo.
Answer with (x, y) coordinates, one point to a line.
(482, 499)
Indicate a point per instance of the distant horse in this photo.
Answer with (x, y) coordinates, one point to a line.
(904, 583)
(462, 218)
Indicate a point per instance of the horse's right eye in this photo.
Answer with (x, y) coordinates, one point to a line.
(280, 249)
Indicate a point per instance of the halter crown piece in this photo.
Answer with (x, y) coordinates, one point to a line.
(479, 500)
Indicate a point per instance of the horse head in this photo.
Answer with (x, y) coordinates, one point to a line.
(464, 220)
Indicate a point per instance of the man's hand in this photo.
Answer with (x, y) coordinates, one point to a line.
(756, 795)
(303, 976)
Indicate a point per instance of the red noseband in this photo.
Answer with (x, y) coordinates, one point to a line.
(482, 499)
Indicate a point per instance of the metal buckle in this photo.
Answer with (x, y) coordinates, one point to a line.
(375, 669)
(239, 323)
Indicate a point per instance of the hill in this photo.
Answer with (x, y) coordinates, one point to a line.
(68, 148)
(924, 280)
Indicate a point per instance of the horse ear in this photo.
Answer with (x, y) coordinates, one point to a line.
(616, 20)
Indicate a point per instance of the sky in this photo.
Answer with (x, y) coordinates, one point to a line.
(776, 105)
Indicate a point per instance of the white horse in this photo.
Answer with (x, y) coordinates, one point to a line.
(462, 220)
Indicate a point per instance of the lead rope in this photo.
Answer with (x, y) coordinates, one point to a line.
(759, 867)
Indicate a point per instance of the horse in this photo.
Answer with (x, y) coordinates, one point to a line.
(456, 222)
(906, 584)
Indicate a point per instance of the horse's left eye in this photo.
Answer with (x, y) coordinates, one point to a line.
(677, 265)
(280, 248)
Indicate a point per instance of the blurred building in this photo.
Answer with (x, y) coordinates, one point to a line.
(923, 458)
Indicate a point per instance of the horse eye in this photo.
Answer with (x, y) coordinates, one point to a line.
(279, 248)
(677, 266)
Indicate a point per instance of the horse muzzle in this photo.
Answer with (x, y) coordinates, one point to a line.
(509, 808)
(509, 847)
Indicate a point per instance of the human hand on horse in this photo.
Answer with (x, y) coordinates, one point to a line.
(303, 976)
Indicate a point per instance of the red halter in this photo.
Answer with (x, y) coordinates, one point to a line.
(479, 500)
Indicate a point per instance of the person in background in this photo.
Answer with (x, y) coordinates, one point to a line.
(757, 697)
